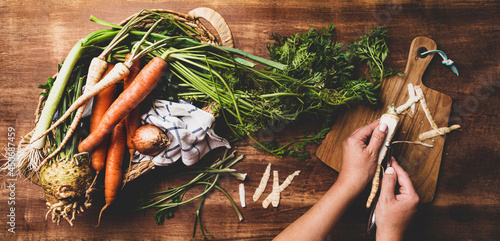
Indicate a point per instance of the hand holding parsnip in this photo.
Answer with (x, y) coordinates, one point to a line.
(360, 152)
(392, 120)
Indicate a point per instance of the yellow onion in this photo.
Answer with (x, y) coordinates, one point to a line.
(150, 140)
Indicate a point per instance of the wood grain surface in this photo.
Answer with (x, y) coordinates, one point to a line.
(420, 162)
(37, 35)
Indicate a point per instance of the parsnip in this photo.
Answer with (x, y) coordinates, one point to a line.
(391, 119)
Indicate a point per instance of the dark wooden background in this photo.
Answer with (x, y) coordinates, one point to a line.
(37, 35)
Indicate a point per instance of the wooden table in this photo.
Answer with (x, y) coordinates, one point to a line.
(466, 205)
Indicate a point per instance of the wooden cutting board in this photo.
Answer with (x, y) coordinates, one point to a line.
(422, 163)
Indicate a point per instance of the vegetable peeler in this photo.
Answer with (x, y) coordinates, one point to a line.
(387, 162)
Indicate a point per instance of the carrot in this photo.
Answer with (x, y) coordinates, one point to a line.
(132, 121)
(143, 84)
(113, 177)
(102, 101)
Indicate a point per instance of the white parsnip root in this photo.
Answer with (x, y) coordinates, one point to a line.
(263, 183)
(391, 119)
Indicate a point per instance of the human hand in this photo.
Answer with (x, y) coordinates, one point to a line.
(394, 211)
(360, 153)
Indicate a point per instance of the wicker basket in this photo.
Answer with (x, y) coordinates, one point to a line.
(192, 19)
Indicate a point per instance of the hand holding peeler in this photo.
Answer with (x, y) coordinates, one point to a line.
(387, 162)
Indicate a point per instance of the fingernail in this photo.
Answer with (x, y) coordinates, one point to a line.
(389, 170)
(382, 127)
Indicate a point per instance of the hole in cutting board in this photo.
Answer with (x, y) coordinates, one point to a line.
(420, 51)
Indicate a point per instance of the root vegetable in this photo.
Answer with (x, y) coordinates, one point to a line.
(150, 140)
(66, 183)
(132, 120)
(96, 68)
(114, 161)
(120, 71)
(102, 101)
(391, 119)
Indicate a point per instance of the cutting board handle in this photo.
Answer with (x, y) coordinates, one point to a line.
(415, 66)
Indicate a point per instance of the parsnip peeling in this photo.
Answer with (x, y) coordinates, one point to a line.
(274, 196)
(242, 195)
(427, 112)
(412, 94)
(288, 180)
(276, 190)
(433, 133)
(263, 183)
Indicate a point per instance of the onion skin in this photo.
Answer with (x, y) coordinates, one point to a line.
(150, 140)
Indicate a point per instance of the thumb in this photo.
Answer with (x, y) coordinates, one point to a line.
(389, 181)
(377, 138)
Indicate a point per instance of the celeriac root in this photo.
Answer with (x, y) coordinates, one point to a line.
(263, 183)
(64, 209)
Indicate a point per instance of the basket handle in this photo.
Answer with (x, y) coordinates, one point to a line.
(217, 22)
